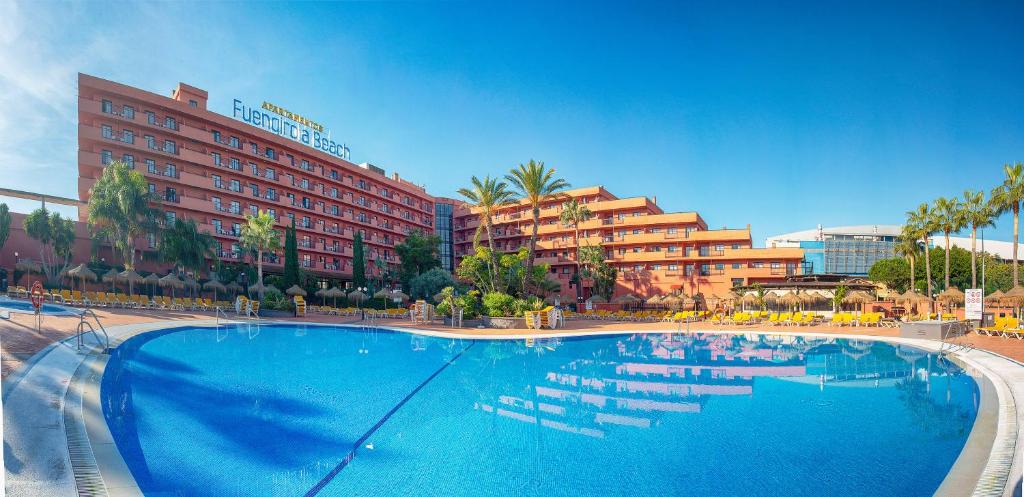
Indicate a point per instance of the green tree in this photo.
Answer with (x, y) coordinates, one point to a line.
(418, 253)
(837, 297)
(5, 224)
(1007, 198)
(259, 236)
(429, 283)
(922, 222)
(486, 197)
(121, 210)
(978, 213)
(184, 246)
(358, 261)
(291, 257)
(56, 237)
(537, 184)
(893, 273)
(907, 246)
(594, 266)
(949, 218)
(573, 213)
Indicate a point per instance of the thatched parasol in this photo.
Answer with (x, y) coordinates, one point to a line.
(29, 267)
(552, 299)
(858, 297)
(171, 281)
(334, 292)
(748, 299)
(216, 286)
(400, 295)
(597, 299)
(81, 272)
(153, 280)
(951, 295)
(131, 277)
(910, 297)
(295, 290)
(790, 299)
(655, 300)
(234, 287)
(357, 297)
(258, 288)
(995, 297)
(110, 277)
(672, 301)
(626, 299)
(382, 294)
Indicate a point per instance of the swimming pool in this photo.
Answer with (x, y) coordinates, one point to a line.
(24, 306)
(286, 410)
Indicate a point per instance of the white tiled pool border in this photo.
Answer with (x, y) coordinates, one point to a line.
(61, 385)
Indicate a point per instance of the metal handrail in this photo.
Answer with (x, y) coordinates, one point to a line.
(217, 312)
(84, 322)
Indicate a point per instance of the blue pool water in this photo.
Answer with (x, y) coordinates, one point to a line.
(26, 306)
(277, 410)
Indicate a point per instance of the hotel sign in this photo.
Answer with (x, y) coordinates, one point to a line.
(282, 122)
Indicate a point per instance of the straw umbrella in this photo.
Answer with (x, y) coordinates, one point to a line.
(81, 272)
(597, 299)
(858, 297)
(320, 293)
(791, 300)
(400, 295)
(809, 298)
(131, 277)
(334, 292)
(215, 286)
(1015, 296)
(295, 290)
(152, 279)
(358, 297)
(111, 277)
(689, 303)
(951, 296)
(655, 300)
(171, 281)
(748, 299)
(234, 287)
(672, 302)
(257, 288)
(995, 297)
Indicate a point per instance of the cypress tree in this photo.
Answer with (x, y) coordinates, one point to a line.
(291, 257)
(358, 261)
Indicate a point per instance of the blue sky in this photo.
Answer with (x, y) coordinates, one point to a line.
(778, 114)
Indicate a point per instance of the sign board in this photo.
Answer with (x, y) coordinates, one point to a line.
(590, 305)
(973, 303)
(283, 122)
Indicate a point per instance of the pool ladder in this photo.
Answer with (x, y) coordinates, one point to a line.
(84, 325)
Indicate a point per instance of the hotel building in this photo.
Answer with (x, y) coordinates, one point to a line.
(654, 252)
(216, 169)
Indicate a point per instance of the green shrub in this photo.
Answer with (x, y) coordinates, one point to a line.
(499, 304)
(276, 301)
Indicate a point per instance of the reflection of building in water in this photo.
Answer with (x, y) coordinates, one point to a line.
(636, 379)
(853, 360)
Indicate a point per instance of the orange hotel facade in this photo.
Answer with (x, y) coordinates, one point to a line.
(655, 252)
(216, 169)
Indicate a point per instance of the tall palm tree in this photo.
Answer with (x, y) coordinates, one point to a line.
(487, 196)
(121, 209)
(183, 245)
(537, 184)
(922, 222)
(908, 247)
(949, 218)
(1007, 198)
(978, 213)
(574, 213)
(259, 235)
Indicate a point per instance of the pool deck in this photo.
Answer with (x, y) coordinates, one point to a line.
(51, 389)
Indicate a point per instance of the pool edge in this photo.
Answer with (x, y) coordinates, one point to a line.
(997, 472)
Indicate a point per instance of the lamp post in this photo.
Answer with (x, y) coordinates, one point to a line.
(362, 313)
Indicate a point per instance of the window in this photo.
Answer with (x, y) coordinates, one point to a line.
(719, 248)
(216, 158)
(703, 251)
(170, 194)
(270, 153)
(128, 111)
(169, 122)
(236, 186)
(107, 107)
(151, 166)
(719, 266)
(151, 118)
(171, 170)
(216, 203)
(735, 246)
(776, 265)
(170, 217)
(128, 136)
(334, 192)
(270, 174)
(255, 169)
(255, 189)
(272, 213)
(673, 267)
(106, 157)
(304, 183)
(216, 136)
(236, 229)
(271, 194)
(236, 208)
(737, 282)
(758, 265)
(305, 221)
(216, 226)
(107, 131)
(334, 210)
(672, 230)
(170, 147)
(306, 166)
(255, 148)
(150, 142)
(234, 142)
(216, 184)
(129, 159)
(152, 188)
(193, 104)
(253, 209)
(736, 265)
(705, 270)
(237, 166)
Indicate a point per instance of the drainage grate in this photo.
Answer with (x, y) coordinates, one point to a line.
(83, 461)
(994, 477)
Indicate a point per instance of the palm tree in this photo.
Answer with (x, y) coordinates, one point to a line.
(908, 247)
(574, 213)
(121, 210)
(922, 222)
(978, 214)
(259, 235)
(949, 218)
(487, 196)
(537, 184)
(183, 245)
(1007, 198)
